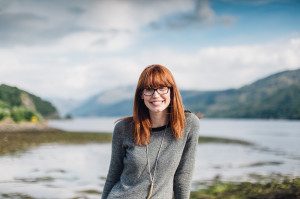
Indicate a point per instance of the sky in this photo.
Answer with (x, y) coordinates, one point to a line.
(73, 49)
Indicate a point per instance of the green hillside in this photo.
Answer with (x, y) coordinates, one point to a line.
(20, 105)
(276, 96)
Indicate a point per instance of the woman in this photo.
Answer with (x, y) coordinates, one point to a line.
(153, 151)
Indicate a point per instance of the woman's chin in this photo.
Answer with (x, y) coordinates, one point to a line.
(157, 110)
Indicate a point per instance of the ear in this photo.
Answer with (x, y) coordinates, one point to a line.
(142, 96)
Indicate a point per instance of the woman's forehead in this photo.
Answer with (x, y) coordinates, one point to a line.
(154, 81)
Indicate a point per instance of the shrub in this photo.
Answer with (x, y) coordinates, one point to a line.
(4, 113)
(20, 113)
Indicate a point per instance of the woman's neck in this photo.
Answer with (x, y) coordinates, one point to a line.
(158, 119)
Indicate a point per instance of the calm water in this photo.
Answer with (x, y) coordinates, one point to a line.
(67, 171)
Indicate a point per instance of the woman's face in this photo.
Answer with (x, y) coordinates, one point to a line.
(158, 101)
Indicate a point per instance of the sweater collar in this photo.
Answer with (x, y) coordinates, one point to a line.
(160, 128)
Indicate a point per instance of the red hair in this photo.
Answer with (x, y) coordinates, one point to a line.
(156, 76)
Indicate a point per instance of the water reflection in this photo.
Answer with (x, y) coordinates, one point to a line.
(68, 171)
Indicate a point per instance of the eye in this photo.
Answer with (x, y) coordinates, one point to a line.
(164, 88)
(149, 89)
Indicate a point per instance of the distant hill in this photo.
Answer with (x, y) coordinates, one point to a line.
(275, 96)
(114, 102)
(16, 101)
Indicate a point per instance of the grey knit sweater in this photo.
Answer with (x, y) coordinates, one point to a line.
(128, 176)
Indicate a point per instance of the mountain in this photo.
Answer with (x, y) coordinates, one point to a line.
(114, 102)
(13, 99)
(275, 96)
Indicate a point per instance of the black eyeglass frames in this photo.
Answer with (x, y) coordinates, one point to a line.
(161, 90)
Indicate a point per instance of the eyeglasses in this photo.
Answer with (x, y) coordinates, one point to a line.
(161, 90)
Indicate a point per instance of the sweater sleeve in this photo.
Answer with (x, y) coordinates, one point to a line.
(116, 162)
(183, 174)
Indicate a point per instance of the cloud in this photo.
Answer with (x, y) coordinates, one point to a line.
(201, 14)
(210, 68)
(214, 68)
(35, 22)
(73, 50)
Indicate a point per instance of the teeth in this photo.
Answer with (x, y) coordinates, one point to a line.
(157, 102)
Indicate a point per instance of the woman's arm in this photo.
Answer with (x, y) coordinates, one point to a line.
(116, 162)
(183, 174)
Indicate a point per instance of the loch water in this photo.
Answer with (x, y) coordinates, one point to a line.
(79, 171)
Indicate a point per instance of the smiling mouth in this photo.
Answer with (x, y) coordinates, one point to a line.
(155, 103)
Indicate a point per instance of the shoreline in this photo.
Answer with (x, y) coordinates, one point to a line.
(16, 140)
(8, 125)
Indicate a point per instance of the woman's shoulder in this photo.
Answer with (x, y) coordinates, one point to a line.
(124, 124)
(191, 117)
(123, 129)
(192, 124)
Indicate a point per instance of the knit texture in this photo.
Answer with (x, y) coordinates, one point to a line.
(128, 176)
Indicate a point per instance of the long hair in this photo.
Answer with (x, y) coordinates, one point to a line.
(156, 76)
